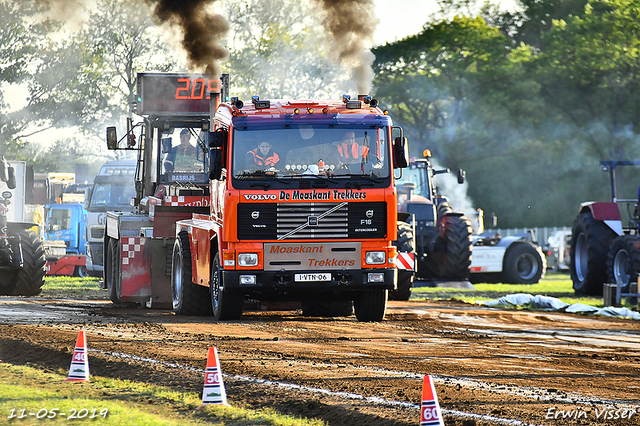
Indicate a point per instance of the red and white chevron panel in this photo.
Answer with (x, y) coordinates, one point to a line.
(186, 200)
(406, 261)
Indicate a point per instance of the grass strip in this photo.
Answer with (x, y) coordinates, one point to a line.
(29, 396)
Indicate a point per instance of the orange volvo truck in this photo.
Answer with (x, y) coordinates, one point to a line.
(301, 207)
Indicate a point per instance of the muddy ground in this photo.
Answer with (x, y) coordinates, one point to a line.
(490, 366)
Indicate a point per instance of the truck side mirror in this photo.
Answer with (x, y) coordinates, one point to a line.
(462, 175)
(11, 181)
(400, 153)
(4, 172)
(112, 138)
(217, 138)
(216, 164)
(87, 198)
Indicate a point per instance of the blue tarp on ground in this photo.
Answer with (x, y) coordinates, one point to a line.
(523, 300)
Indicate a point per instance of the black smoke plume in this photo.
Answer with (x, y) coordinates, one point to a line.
(202, 31)
(351, 24)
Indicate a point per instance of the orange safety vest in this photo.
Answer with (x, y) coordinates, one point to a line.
(354, 152)
(271, 160)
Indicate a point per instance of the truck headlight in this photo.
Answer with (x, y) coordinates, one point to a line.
(247, 259)
(375, 257)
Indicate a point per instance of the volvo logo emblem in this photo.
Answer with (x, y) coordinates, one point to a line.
(369, 214)
(255, 214)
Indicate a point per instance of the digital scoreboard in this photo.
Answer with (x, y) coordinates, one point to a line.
(175, 93)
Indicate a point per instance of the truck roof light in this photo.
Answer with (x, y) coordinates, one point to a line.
(426, 153)
(236, 102)
(385, 112)
(310, 110)
(258, 104)
(373, 103)
(354, 104)
(296, 111)
(345, 98)
(325, 110)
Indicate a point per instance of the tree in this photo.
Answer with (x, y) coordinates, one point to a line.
(276, 51)
(20, 36)
(590, 73)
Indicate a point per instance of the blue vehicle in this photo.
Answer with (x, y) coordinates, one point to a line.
(66, 223)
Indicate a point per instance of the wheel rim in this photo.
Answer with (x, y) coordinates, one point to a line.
(580, 260)
(621, 267)
(176, 279)
(82, 272)
(527, 266)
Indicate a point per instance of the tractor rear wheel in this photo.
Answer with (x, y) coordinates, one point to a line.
(590, 242)
(623, 261)
(31, 276)
(455, 240)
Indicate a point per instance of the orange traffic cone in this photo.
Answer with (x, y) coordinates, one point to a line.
(430, 413)
(79, 369)
(213, 392)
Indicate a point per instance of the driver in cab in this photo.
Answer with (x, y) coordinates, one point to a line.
(262, 156)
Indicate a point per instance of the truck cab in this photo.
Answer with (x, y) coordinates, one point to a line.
(112, 190)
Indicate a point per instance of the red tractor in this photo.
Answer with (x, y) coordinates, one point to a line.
(602, 249)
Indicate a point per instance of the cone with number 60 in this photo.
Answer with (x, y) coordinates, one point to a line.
(213, 392)
(430, 413)
(79, 370)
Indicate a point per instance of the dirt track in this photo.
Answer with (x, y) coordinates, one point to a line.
(490, 366)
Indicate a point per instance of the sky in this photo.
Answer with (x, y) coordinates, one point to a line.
(401, 18)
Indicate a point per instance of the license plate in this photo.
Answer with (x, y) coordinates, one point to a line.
(313, 277)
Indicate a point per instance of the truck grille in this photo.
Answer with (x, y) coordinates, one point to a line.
(314, 221)
(97, 232)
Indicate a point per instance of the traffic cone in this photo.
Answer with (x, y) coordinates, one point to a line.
(79, 369)
(213, 392)
(430, 413)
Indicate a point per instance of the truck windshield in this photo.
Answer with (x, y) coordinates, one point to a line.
(310, 151)
(112, 195)
(59, 220)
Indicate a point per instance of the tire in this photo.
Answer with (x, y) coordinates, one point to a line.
(225, 305)
(623, 261)
(327, 309)
(590, 242)
(523, 263)
(404, 243)
(81, 271)
(31, 276)
(451, 258)
(187, 298)
(371, 306)
(112, 279)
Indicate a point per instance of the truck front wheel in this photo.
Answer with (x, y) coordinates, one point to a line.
(226, 305)
(371, 305)
(112, 269)
(31, 276)
(187, 298)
